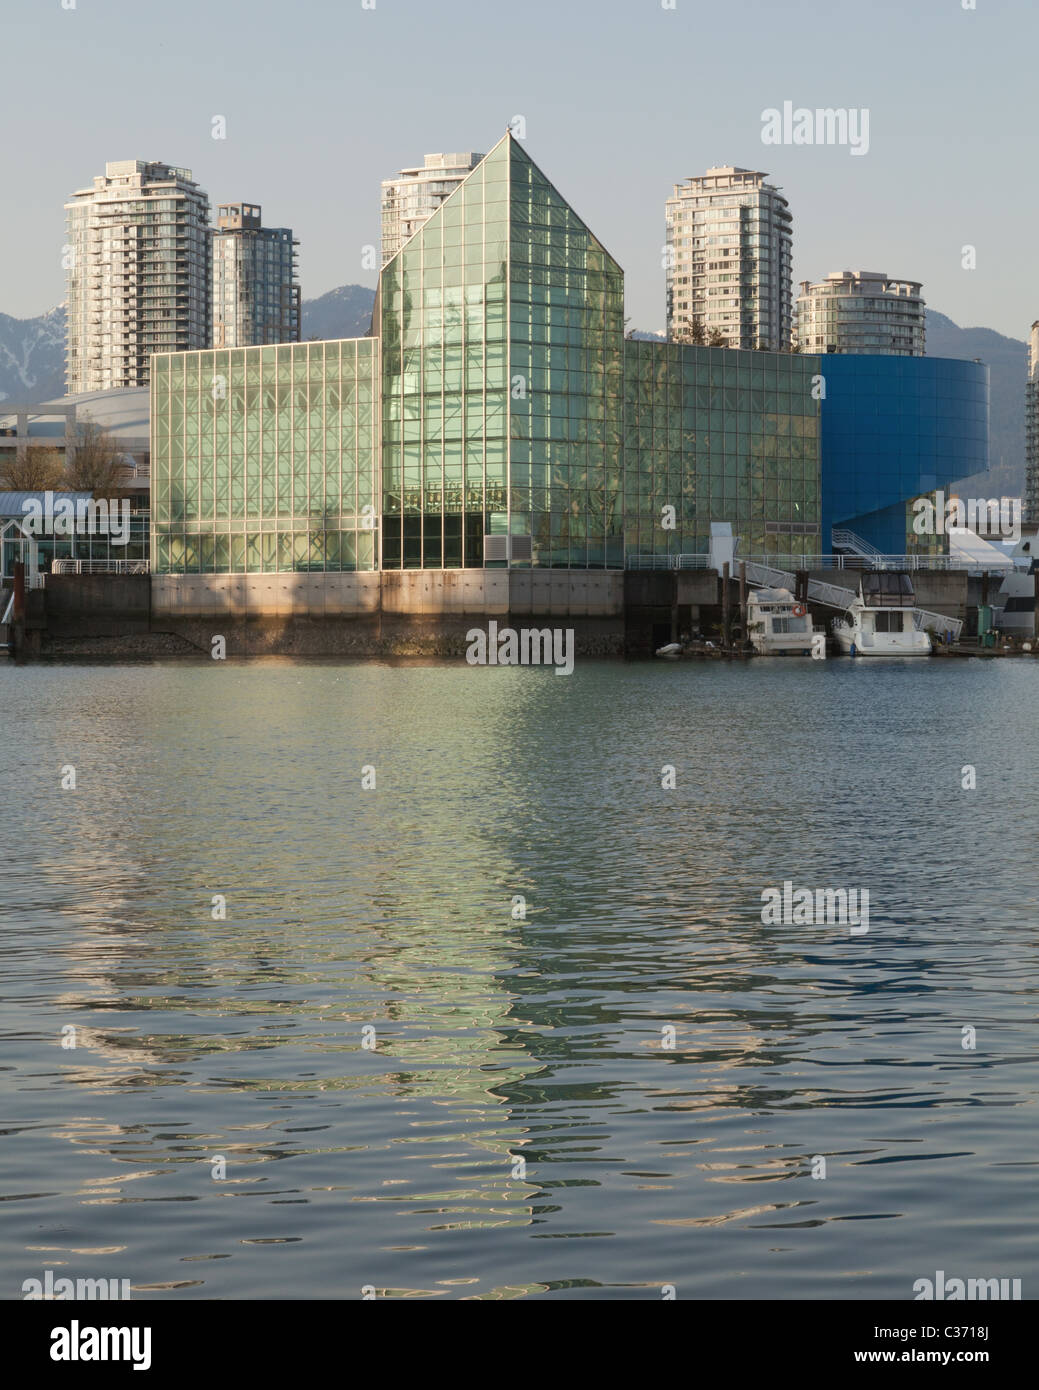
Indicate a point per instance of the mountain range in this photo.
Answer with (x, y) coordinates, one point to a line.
(1007, 360)
(32, 357)
(32, 369)
(342, 313)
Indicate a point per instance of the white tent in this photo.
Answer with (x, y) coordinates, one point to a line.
(968, 547)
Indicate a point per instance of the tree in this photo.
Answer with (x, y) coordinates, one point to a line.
(697, 335)
(97, 463)
(33, 469)
(692, 333)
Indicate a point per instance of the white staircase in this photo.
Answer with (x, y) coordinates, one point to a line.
(852, 544)
(830, 595)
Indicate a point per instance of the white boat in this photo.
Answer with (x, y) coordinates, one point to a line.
(883, 620)
(1015, 606)
(777, 624)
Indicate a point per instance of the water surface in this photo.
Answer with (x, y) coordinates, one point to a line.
(500, 1037)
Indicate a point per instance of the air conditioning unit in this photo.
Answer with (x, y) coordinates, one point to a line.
(509, 548)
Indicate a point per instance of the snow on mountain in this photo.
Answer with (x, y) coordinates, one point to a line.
(32, 357)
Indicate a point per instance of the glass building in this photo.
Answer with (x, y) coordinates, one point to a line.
(497, 417)
(502, 375)
(415, 194)
(720, 435)
(264, 458)
(895, 428)
(95, 547)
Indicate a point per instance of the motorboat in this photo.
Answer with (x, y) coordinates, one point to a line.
(883, 619)
(1015, 606)
(778, 624)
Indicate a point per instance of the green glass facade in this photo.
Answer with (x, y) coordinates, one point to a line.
(265, 458)
(720, 435)
(566, 346)
(502, 413)
(443, 314)
(498, 416)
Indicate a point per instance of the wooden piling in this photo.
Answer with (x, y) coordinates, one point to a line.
(18, 611)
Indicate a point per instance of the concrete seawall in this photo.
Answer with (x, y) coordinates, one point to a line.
(99, 605)
(408, 593)
(407, 613)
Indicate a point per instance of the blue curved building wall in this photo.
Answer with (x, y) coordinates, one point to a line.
(892, 428)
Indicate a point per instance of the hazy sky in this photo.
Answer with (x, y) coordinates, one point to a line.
(621, 99)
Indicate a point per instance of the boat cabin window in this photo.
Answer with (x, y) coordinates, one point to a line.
(888, 622)
(887, 589)
(790, 624)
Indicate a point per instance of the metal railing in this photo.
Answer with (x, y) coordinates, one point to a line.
(100, 567)
(793, 561)
(854, 563)
(926, 621)
(667, 562)
(788, 561)
(938, 562)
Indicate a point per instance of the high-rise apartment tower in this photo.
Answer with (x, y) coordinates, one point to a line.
(861, 311)
(1031, 498)
(728, 261)
(138, 281)
(255, 293)
(410, 199)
